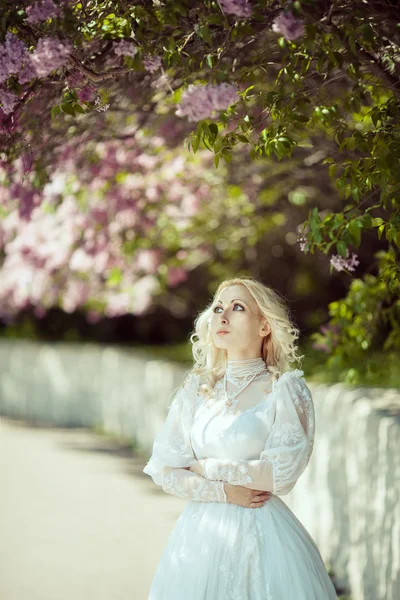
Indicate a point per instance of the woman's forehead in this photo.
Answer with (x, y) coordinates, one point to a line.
(239, 292)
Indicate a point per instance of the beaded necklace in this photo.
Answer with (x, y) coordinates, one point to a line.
(241, 373)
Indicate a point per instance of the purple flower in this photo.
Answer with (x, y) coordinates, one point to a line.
(340, 263)
(152, 63)
(27, 73)
(287, 25)
(12, 55)
(85, 94)
(50, 54)
(125, 48)
(239, 8)
(41, 11)
(199, 101)
(7, 100)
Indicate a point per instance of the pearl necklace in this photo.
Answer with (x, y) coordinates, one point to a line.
(241, 373)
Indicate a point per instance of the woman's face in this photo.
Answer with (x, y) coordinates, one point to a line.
(236, 312)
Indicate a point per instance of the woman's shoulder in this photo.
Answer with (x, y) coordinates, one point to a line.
(292, 384)
(286, 376)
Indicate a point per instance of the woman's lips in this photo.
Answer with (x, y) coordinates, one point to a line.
(222, 332)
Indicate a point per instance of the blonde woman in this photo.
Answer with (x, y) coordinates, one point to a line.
(239, 433)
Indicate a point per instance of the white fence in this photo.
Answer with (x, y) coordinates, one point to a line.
(348, 497)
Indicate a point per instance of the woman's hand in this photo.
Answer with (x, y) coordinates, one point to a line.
(237, 494)
(197, 468)
(243, 496)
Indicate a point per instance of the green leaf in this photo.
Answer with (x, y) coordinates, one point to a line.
(68, 108)
(213, 129)
(56, 110)
(354, 228)
(341, 248)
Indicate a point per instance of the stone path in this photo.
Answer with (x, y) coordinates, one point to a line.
(78, 518)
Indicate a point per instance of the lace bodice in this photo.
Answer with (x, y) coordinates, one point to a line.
(265, 443)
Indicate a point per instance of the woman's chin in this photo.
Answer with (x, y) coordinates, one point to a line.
(220, 342)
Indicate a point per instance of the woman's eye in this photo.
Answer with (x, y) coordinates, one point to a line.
(240, 306)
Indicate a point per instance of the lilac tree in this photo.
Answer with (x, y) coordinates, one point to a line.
(260, 77)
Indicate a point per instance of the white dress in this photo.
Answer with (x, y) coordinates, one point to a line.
(218, 550)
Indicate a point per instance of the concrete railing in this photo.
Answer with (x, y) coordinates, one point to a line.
(348, 497)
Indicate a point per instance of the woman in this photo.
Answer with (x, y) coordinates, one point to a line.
(239, 434)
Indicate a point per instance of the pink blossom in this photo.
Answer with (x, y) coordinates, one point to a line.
(287, 25)
(44, 250)
(147, 260)
(76, 293)
(41, 11)
(152, 63)
(340, 263)
(85, 94)
(200, 101)
(81, 261)
(143, 291)
(239, 8)
(125, 48)
(118, 304)
(191, 204)
(7, 100)
(175, 276)
(49, 54)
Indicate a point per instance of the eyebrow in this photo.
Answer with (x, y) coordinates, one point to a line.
(234, 301)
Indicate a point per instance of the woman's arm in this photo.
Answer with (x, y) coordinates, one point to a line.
(287, 450)
(172, 452)
(185, 484)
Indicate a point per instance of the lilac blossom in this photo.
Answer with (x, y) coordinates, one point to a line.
(199, 102)
(85, 94)
(41, 11)
(65, 256)
(340, 263)
(125, 48)
(152, 63)
(28, 71)
(239, 8)
(13, 53)
(287, 25)
(49, 54)
(7, 100)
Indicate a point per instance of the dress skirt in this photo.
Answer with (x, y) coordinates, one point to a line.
(221, 551)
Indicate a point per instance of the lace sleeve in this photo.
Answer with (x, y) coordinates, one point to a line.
(172, 452)
(288, 447)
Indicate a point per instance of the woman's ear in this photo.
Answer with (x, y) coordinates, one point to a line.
(265, 329)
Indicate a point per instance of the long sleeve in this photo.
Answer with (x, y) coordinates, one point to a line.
(172, 452)
(288, 447)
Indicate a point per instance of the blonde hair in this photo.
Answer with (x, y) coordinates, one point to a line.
(278, 349)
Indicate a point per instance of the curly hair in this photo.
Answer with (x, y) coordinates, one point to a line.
(279, 347)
